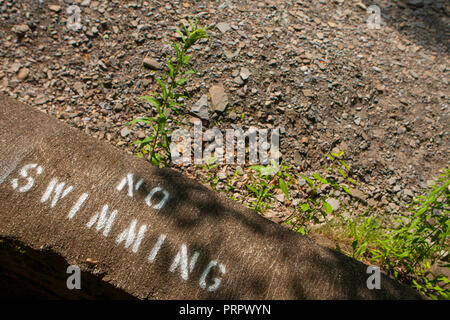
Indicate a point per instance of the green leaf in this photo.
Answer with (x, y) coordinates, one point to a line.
(170, 67)
(305, 207)
(186, 59)
(155, 102)
(346, 190)
(182, 81)
(283, 187)
(145, 120)
(163, 87)
(264, 170)
(318, 177)
(190, 71)
(328, 208)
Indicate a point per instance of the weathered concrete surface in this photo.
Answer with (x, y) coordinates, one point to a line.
(196, 245)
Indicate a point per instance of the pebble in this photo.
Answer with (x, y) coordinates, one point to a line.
(40, 99)
(124, 132)
(219, 98)
(245, 73)
(23, 74)
(151, 63)
(54, 8)
(200, 108)
(223, 27)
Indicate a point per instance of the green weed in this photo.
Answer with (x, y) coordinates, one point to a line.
(170, 97)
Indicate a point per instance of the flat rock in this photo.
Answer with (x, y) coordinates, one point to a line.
(151, 63)
(200, 108)
(21, 29)
(223, 27)
(124, 132)
(54, 8)
(245, 73)
(40, 99)
(219, 98)
(308, 93)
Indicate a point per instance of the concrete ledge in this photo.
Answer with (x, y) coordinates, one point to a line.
(154, 233)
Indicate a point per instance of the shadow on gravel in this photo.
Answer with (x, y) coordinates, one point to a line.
(426, 24)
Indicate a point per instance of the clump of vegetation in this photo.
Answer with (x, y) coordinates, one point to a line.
(421, 238)
(264, 180)
(407, 245)
(316, 208)
(170, 97)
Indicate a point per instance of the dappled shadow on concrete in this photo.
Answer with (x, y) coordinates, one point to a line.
(427, 25)
(306, 270)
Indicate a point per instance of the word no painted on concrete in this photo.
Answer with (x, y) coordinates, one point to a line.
(103, 220)
(155, 233)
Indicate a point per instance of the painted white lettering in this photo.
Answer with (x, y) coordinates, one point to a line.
(129, 235)
(103, 221)
(77, 206)
(24, 174)
(181, 259)
(217, 281)
(156, 248)
(161, 203)
(129, 180)
(59, 192)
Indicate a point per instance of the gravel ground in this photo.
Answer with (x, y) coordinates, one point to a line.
(312, 68)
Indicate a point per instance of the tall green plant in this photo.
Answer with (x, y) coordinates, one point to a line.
(171, 96)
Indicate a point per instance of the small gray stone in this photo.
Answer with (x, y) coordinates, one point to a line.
(141, 134)
(78, 87)
(301, 182)
(54, 8)
(223, 27)
(308, 93)
(415, 3)
(245, 73)
(408, 193)
(238, 81)
(21, 29)
(124, 132)
(280, 197)
(200, 108)
(355, 193)
(392, 181)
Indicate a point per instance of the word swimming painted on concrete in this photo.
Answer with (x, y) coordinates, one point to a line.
(102, 221)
